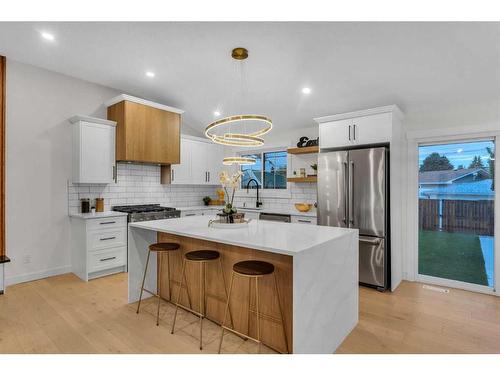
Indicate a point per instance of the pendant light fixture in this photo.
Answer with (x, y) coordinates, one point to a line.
(244, 130)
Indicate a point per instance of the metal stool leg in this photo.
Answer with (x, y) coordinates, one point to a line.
(225, 291)
(201, 304)
(258, 315)
(225, 311)
(281, 312)
(159, 259)
(143, 280)
(168, 270)
(179, 294)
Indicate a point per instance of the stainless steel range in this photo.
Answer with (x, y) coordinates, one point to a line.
(145, 212)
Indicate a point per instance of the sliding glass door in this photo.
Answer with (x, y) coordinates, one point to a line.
(456, 213)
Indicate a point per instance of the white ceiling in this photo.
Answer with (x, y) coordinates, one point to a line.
(349, 66)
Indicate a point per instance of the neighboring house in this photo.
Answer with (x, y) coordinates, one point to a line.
(466, 184)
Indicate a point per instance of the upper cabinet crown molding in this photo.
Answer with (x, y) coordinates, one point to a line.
(94, 120)
(394, 109)
(133, 99)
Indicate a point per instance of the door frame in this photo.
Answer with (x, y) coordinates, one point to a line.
(3, 69)
(416, 138)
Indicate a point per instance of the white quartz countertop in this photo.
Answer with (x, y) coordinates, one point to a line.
(98, 215)
(291, 211)
(274, 237)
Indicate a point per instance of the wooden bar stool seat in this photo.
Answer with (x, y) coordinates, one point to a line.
(164, 246)
(252, 269)
(202, 257)
(160, 249)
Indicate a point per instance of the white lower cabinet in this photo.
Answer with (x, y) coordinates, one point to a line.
(99, 246)
(304, 220)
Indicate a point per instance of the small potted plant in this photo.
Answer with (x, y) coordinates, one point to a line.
(315, 169)
(207, 200)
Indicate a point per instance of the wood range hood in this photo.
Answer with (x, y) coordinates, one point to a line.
(146, 132)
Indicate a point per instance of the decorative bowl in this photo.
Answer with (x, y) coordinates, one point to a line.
(303, 207)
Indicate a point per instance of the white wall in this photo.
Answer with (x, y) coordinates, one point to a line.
(39, 103)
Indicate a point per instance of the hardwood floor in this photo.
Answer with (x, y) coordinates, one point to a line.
(65, 315)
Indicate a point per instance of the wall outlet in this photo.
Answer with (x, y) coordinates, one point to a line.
(27, 259)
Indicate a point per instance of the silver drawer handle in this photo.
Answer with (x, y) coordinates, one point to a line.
(190, 215)
(108, 222)
(107, 238)
(375, 241)
(303, 221)
(105, 259)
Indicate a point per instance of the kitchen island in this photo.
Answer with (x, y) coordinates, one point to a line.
(316, 268)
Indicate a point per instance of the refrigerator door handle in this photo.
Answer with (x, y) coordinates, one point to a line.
(372, 241)
(345, 192)
(351, 193)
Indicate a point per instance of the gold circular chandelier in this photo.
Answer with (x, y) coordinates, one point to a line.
(238, 138)
(238, 160)
(239, 130)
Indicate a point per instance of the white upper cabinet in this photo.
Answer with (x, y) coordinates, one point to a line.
(365, 127)
(181, 173)
(201, 162)
(93, 150)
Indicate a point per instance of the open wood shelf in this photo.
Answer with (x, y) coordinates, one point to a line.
(303, 179)
(303, 150)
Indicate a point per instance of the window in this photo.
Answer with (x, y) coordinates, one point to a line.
(269, 170)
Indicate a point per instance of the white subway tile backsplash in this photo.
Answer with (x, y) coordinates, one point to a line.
(140, 184)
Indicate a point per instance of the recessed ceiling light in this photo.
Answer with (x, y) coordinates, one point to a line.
(150, 74)
(47, 36)
(216, 113)
(306, 90)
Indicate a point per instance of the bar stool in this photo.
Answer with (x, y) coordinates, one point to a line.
(160, 249)
(252, 269)
(202, 257)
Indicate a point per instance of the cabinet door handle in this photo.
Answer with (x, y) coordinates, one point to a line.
(115, 177)
(106, 259)
(208, 176)
(349, 132)
(354, 131)
(172, 174)
(107, 238)
(303, 221)
(107, 222)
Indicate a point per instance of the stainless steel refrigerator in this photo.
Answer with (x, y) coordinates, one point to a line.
(353, 192)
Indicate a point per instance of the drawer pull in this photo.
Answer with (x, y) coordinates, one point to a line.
(108, 222)
(105, 259)
(107, 238)
(190, 215)
(303, 221)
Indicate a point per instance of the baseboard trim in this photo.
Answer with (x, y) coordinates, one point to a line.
(12, 280)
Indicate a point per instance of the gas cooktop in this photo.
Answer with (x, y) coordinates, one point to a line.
(145, 212)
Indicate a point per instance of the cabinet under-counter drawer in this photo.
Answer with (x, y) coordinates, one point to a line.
(107, 223)
(104, 239)
(304, 220)
(108, 258)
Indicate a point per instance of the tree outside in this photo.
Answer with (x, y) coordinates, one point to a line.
(436, 162)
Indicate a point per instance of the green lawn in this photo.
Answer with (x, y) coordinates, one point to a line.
(455, 256)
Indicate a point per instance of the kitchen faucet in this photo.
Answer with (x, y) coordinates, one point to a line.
(257, 204)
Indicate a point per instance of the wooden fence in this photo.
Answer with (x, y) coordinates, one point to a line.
(456, 216)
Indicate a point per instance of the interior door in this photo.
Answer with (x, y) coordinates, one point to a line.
(367, 169)
(332, 189)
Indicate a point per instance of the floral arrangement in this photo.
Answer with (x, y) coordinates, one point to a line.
(230, 182)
